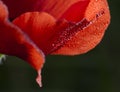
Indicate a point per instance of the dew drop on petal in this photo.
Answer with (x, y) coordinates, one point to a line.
(39, 78)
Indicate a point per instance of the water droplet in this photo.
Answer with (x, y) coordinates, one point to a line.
(53, 45)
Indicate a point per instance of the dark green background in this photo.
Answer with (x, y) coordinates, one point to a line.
(96, 71)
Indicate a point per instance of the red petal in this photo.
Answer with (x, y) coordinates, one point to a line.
(54, 7)
(17, 7)
(97, 13)
(50, 35)
(76, 11)
(40, 27)
(14, 42)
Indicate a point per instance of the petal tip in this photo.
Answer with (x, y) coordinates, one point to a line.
(39, 78)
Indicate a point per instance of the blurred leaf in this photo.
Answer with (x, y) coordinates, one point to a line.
(2, 57)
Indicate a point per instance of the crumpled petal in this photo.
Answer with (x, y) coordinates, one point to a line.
(3, 12)
(14, 42)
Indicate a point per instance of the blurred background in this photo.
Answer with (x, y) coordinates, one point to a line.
(96, 71)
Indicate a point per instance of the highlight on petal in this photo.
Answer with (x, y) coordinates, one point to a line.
(14, 42)
(3, 12)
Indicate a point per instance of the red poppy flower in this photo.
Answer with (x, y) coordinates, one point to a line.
(36, 28)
